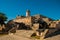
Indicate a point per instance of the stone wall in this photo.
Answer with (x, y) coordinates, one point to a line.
(55, 24)
(26, 20)
(35, 26)
(46, 20)
(2, 27)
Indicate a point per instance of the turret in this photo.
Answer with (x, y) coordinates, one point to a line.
(27, 13)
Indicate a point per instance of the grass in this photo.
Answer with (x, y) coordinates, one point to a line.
(37, 37)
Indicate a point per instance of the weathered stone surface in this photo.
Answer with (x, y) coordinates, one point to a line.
(36, 22)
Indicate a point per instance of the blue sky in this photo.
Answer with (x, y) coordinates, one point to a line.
(49, 8)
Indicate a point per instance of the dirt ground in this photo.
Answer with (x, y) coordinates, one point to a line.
(22, 35)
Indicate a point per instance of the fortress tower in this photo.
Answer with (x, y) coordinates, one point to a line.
(27, 13)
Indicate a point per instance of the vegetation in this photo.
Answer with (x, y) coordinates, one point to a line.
(35, 36)
(3, 18)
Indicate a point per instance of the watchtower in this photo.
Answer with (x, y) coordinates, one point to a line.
(27, 13)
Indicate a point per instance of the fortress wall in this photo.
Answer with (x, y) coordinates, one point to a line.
(55, 24)
(46, 20)
(26, 20)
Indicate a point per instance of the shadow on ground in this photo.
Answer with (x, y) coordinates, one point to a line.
(54, 34)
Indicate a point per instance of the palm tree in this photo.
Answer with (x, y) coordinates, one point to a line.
(3, 18)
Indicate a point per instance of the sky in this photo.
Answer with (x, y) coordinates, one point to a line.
(12, 8)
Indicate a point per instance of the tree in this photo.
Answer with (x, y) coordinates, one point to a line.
(3, 18)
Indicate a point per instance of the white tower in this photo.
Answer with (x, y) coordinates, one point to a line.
(27, 13)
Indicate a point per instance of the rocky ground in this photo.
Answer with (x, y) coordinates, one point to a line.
(22, 35)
